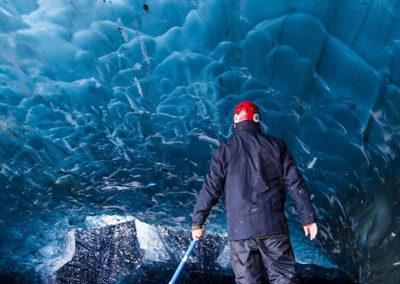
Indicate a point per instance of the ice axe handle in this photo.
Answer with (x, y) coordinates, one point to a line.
(183, 261)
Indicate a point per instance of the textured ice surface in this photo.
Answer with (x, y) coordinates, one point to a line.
(112, 108)
(121, 253)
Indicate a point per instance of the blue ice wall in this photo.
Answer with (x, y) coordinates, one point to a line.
(113, 108)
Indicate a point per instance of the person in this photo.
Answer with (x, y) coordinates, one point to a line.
(252, 170)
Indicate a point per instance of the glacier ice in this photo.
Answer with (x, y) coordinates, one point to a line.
(111, 109)
(123, 253)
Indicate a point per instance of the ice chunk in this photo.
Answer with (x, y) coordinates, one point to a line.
(55, 255)
(151, 243)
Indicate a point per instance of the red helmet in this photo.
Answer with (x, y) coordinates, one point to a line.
(246, 111)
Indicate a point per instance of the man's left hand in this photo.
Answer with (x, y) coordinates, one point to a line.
(311, 229)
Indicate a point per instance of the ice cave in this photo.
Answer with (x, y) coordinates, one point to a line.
(110, 111)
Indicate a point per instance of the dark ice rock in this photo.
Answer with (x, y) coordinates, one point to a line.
(136, 252)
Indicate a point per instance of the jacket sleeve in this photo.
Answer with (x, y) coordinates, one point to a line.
(297, 188)
(211, 190)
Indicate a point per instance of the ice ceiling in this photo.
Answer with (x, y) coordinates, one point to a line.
(111, 109)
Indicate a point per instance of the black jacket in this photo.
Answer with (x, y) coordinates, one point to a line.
(252, 170)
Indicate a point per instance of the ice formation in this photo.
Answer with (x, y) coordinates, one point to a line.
(113, 108)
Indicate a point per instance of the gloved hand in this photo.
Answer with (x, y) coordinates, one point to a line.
(311, 229)
(198, 234)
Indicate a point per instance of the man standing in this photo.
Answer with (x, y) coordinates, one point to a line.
(252, 169)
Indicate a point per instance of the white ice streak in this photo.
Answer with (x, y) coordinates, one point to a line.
(209, 139)
(143, 49)
(91, 80)
(131, 103)
(128, 186)
(303, 146)
(5, 12)
(172, 142)
(312, 163)
(69, 118)
(138, 86)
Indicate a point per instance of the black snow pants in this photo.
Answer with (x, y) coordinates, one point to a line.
(275, 253)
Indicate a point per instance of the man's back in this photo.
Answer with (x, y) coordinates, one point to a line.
(254, 188)
(253, 169)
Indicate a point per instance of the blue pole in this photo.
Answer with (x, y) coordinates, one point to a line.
(183, 261)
